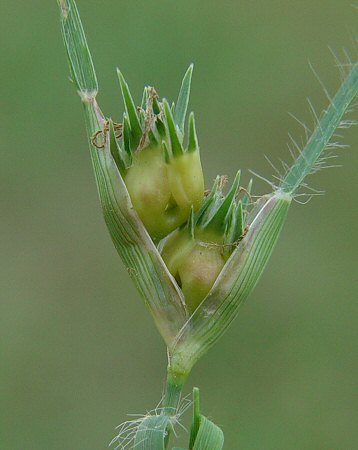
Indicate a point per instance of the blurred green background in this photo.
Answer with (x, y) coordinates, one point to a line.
(78, 349)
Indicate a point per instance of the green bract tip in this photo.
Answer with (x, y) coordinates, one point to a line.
(166, 152)
(144, 98)
(221, 216)
(208, 203)
(176, 147)
(183, 99)
(193, 144)
(136, 130)
(116, 151)
(127, 137)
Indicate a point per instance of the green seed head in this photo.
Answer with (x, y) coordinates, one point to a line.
(164, 179)
(196, 254)
(163, 192)
(214, 252)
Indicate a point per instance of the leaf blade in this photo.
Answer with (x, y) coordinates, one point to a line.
(321, 136)
(78, 54)
(204, 434)
(151, 433)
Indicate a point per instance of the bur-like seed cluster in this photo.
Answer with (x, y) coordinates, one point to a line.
(194, 256)
(196, 253)
(166, 185)
(163, 176)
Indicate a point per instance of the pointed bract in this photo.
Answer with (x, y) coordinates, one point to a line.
(160, 128)
(144, 98)
(127, 137)
(193, 143)
(222, 215)
(239, 222)
(116, 151)
(176, 146)
(201, 216)
(166, 152)
(246, 199)
(156, 106)
(152, 138)
(131, 110)
(183, 99)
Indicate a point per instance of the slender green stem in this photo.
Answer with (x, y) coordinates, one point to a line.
(173, 389)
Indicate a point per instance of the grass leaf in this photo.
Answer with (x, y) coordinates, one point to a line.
(320, 138)
(79, 56)
(151, 433)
